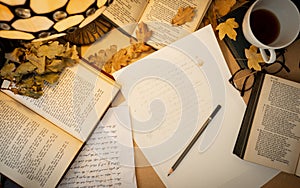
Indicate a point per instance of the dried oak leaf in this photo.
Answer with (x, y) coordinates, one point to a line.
(69, 52)
(110, 51)
(136, 49)
(56, 65)
(51, 50)
(14, 55)
(102, 58)
(120, 59)
(28, 87)
(227, 28)
(223, 7)
(126, 56)
(51, 78)
(7, 71)
(143, 34)
(29, 67)
(254, 58)
(183, 15)
(68, 62)
(107, 67)
(26, 83)
(33, 46)
(39, 62)
(25, 68)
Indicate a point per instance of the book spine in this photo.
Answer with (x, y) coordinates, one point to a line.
(237, 52)
(242, 139)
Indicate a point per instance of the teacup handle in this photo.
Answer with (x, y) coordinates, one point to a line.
(266, 58)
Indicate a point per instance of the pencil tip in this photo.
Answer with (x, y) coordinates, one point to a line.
(170, 172)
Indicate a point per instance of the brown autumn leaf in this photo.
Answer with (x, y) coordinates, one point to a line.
(183, 15)
(100, 58)
(227, 28)
(51, 50)
(143, 34)
(126, 56)
(254, 58)
(121, 58)
(37, 60)
(14, 55)
(25, 68)
(7, 71)
(223, 7)
(49, 77)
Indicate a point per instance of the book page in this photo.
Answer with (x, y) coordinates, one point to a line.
(107, 159)
(33, 152)
(274, 139)
(159, 14)
(76, 102)
(125, 12)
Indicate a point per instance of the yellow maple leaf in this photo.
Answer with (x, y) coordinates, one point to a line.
(254, 58)
(227, 28)
(224, 6)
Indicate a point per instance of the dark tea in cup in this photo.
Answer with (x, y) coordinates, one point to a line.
(265, 25)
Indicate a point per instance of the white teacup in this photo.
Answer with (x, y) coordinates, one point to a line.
(271, 25)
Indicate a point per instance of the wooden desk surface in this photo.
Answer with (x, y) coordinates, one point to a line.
(147, 177)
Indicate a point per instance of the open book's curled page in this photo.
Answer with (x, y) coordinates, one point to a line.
(107, 159)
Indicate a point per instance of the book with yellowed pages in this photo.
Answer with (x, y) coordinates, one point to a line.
(41, 137)
(158, 16)
(270, 131)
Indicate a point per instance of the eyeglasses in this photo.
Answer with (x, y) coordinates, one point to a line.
(278, 65)
(244, 79)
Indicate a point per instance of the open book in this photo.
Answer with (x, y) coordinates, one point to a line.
(157, 14)
(41, 137)
(270, 131)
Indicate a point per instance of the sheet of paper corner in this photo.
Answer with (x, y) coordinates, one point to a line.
(217, 166)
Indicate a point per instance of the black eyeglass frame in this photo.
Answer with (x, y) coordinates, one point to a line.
(243, 89)
(280, 60)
